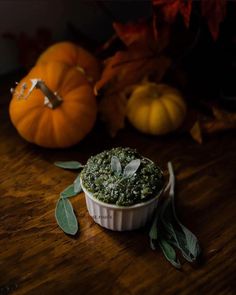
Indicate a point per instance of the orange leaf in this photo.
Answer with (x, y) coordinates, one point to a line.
(129, 67)
(112, 109)
(224, 116)
(196, 132)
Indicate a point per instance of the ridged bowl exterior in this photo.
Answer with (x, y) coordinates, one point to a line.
(120, 218)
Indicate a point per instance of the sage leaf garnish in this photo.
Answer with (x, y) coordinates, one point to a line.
(116, 165)
(131, 168)
(169, 253)
(68, 192)
(77, 185)
(65, 217)
(172, 233)
(69, 165)
(153, 233)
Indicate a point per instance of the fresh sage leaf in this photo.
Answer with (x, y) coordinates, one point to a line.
(153, 230)
(190, 249)
(116, 165)
(192, 244)
(153, 234)
(77, 185)
(65, 217)
(69, 165)
(181, 237)
(188, 244)
(169, 232)
(68, 192)
(169, 253)
(131, 168)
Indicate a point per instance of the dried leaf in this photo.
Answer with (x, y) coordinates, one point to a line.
(214, 11)
(196, 132)
(224, 116)
(223, 121)
(112, 109)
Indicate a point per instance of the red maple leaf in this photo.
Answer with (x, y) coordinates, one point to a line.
(214, 11)
(170, 9)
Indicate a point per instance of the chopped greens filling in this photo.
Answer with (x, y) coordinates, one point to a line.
(114, 177)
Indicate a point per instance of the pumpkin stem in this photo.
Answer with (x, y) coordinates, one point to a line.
(52, 99)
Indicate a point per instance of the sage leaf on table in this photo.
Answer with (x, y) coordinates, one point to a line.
(169, 253)
(69, 165)
(186, 241)
(131, 168)
(77, 185)
(153, 234)
(172, 232)
(68, 192)
(116, 165)
(65, 217)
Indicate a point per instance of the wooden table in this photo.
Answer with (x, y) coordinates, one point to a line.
(36, 257)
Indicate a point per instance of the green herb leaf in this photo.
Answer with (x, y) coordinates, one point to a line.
(153, 234)
(179, 235)
(116, 165)
(65, 217)
(69, 165)
(169, 253)
(187, 243)
(131, 168)
(68, 192)
(77, 185)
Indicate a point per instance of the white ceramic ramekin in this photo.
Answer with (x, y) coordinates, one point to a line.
(119, 218)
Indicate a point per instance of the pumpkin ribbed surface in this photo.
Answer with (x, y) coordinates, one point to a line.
(156, 108)
(63, 126)
(72, 55)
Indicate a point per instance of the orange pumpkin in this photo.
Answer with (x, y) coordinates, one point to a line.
(73, 55)
(53, 106)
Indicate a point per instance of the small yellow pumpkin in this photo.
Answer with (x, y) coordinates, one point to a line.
(156, 108)
(73, 55)
(53, 106)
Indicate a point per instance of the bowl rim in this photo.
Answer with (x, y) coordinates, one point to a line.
(138, 205)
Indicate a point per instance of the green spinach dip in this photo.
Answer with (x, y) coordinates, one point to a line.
(121, 176)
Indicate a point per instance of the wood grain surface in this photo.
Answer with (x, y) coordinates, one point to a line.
(36, 257)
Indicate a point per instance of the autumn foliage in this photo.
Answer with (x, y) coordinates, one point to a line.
(144, 57)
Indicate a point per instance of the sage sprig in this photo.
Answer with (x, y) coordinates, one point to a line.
(69, 165)
(129, 170)
(172, 233)
(64, 212)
